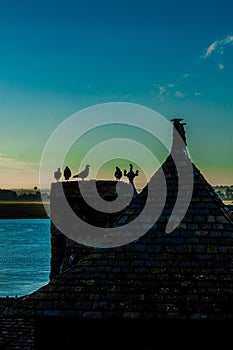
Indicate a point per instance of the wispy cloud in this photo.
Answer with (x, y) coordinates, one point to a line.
(7, 163)
(160, 91)
(211, 49)
(17, 173)
(182, 88)
(218, 46)
(179, 94)
(164, 90)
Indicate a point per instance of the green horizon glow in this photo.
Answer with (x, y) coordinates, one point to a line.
(60, 57)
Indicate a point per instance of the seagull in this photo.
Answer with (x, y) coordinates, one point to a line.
(118, 173)
(57, 174)
(83, 174)
(67, 173)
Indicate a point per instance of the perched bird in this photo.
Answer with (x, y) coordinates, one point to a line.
(83, 174)
(57, 174)
(118, 173)
(67, 173)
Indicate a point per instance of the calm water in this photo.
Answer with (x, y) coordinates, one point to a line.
(24, 255)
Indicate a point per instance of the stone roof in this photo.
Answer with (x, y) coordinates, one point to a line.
(184, 274)
(16, 333)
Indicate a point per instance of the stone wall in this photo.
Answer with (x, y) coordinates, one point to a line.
(61, 246)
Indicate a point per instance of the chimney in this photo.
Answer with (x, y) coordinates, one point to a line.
(179, 138)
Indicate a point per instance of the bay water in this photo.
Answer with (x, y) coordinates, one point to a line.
(25, 253)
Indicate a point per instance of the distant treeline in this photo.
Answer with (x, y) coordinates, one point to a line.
(224, 192)
(23, 195)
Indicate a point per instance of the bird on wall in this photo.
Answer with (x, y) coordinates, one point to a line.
(57, 174)
(83, 174)
(67, 173)
(118, 173)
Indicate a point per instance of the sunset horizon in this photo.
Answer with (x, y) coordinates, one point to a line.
(58, 59)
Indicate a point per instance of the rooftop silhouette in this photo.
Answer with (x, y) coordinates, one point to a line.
(182, 275)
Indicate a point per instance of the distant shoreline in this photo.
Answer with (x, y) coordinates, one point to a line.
(36, 210)
(23, 210)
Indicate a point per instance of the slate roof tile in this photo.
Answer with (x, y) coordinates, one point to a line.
(185, 274)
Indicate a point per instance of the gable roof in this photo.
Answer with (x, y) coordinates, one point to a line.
(184, 274)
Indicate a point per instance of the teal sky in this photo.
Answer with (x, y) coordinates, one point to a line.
(57, 57)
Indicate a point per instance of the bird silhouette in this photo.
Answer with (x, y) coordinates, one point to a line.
(118, 173)
(83, 174)
(67, 173)
(57, 174)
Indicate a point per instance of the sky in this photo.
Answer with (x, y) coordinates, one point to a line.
(58, 57)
